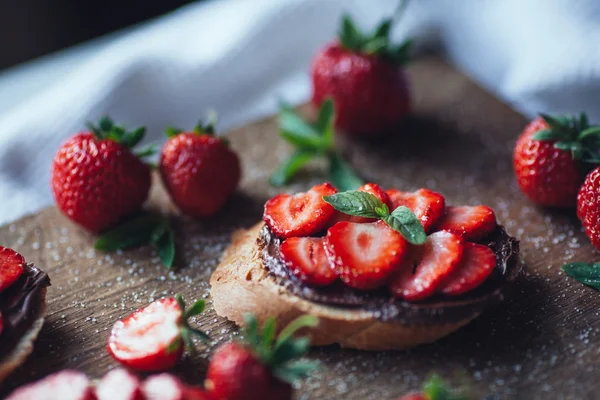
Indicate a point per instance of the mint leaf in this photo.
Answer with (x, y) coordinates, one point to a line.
(325, 120)
(341, 174)
(291, 166)
(404, 221)
(166, 245)
(299, 132)
(361, 204)
(588, 274)
(132, 233)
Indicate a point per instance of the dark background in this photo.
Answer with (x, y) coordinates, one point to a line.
(32, 28)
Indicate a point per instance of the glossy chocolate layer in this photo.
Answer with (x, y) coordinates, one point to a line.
(20, 305)
(385, 307)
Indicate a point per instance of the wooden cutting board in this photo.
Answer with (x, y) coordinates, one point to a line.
(541, 344)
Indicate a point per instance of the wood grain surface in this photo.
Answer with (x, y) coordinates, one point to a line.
(541, 344)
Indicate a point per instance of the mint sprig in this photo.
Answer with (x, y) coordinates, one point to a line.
(141, 230)
(586, 273)
(363, 204)
(312, 140)
(377, 42)
(573, 134)
(279, 353)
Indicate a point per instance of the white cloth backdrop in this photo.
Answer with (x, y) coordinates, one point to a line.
(240, 56)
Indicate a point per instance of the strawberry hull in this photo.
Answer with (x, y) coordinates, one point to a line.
(386, 307)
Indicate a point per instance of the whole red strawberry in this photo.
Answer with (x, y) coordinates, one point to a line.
(551, 156)
(261, 367)
(199, 170)
(363, 74)
(96, 179)
(588, 206)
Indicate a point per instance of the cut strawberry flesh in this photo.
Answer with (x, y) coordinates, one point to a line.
(477, 264)
(471, 222)
(428, 206)
(150, 338)
(307, 260)
(12, 265)
(364, 255)
(373, 189)
(427, 266)
(119, 384)
(163, 387)
(302, 214)
(64, 385)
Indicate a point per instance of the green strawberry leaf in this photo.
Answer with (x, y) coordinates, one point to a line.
(360, 204)
(583, 121)
(324, 124)
(251, 330)
(289, 350)
(586, 273)
(286, 171)
(147, 151)
(436, 389)
(350, 36)
(132, 233)
(375, 46)
(383, 30)
(305, 321)
(298, 370)
(105, 123)
(172, 132)
(135, 137)
(593, 131)
(173, 346)
(404, 221)
(200, 335)
(549, 134)
(341, 174)
(268, 333)
(166, 245)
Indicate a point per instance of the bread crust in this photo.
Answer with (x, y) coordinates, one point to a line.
(242, 284)
(24, 347)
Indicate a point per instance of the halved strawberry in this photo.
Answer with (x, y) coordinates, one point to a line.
(427, 266)
(427, 205)
(163, 387)
(63, 385)
(119, 384)
(364, 255)
(306, 259)
(153, 338)
(11, 267)
(471, 222)
(301, 214)
(477, 264)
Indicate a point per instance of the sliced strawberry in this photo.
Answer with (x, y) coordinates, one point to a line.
(163, 387)
(64, 385)
(12, 265)
(472, 222)
(427, 266)
(427, 205)
(307, 260)
(364, 255)
(150, 338)
(302, 214)
(477, 264)
(371, 188)
(119, 384)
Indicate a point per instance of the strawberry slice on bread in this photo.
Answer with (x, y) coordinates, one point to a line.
(301, 214)
(306, 259)
(427, 205)
(12, 265)
(471, 222)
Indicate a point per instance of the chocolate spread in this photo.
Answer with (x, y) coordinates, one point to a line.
(19, 306)
(384, 306)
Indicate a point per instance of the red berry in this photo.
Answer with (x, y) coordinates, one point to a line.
(546, 175)
(150, 338)
(97, 182)
(471, 222)
(371, 93)
(588, 206)
(119, 384)
(427, 205)
(200, 172)
(364, 255)
(12, 265)
(427, 266)
(163, 387)
(373, 189)
(477, 264)
(64, 385)
(193, 393)
(301, 214)
(306, 259)
(235, 373)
